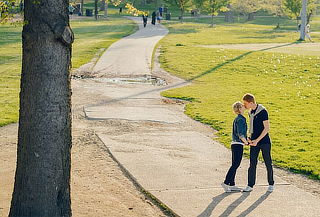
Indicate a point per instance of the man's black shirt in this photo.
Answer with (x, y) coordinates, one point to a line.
(258, 126)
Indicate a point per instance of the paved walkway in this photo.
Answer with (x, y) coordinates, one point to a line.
(168, 154)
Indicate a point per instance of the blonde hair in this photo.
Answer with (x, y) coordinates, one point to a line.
(236, 107)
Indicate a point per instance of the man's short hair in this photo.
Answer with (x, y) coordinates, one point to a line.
(249, 98)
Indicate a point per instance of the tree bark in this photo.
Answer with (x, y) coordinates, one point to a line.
(212, 20)
(82, 6)
(106, 10)
(303, 19)
(42, 179)
(96, 9)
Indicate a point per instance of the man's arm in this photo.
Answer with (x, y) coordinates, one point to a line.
(265, 131)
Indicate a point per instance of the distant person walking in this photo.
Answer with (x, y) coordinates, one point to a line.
(120, 10)
(159, 17)
(259, 140)
(239, 139)
(153, 18)
(307, 32)
(144, 20)
(161, 11)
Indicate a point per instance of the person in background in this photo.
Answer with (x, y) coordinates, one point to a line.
(144, 20)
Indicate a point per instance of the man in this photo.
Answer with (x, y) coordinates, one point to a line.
(260, 140)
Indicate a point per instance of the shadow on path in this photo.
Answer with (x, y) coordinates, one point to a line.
(235, 204)
(255, 205)
(215, 201)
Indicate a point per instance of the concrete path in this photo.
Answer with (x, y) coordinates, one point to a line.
(171, 156)
(131, 55)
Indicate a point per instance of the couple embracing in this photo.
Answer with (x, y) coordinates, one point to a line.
(258, 140)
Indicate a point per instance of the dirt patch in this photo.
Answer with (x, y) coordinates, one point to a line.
(312, 49)
(98, 186)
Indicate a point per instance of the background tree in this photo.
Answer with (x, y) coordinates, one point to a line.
(213, 7)
(198, 4)
(42, 179)
(181, 4)
(293, 8)
(247, 7)
(229, 14)
(274, 7)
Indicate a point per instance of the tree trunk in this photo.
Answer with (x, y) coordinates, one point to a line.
(106, 10)
(102, 5)
(303, 19)
(42, 179)
(181, 14)
(96, 9)
(278, 24)
(82, 5)
(309, 16)
(229, 15)
(212, 20)
(250, 16)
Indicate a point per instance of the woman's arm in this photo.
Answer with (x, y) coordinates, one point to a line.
(242, 131)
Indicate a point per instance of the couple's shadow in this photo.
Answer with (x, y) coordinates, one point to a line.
(217, 199)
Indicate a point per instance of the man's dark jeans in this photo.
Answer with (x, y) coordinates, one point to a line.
(254, 153)
(237, 151)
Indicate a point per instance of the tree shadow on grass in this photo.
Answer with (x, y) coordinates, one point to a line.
(236, 59)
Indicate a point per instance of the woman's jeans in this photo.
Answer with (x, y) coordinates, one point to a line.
(237, 152)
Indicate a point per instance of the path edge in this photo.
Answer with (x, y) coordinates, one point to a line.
(157, 202)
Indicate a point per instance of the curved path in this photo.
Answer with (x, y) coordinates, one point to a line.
(174, 158)
(131, 55)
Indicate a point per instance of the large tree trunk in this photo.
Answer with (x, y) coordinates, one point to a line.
(42, 179)
(303, 19)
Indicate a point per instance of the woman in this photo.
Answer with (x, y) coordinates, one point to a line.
(239, 138)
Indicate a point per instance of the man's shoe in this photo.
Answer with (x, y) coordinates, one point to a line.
(226, 188)
(247, 189)
(270, 188)
(235, 188)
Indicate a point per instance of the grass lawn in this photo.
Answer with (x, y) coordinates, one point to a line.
(287, 84)
(90, 36)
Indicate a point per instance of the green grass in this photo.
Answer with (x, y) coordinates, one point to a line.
(288, 85)
(90, 36)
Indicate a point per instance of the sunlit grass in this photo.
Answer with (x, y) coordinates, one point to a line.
(288, 85)
(90, 36)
